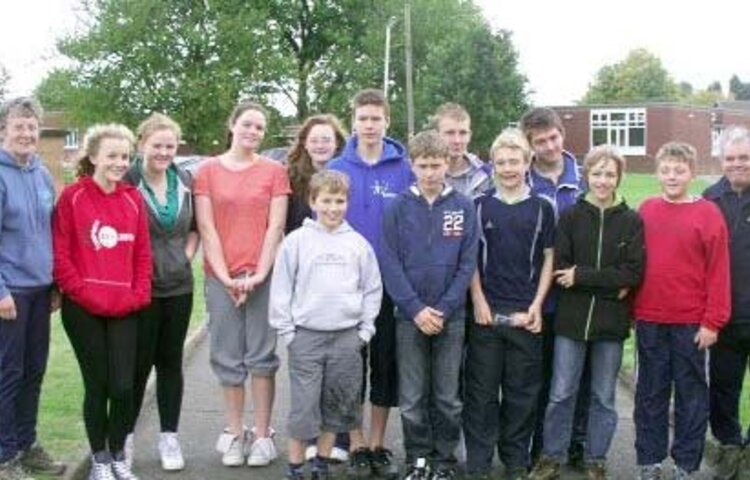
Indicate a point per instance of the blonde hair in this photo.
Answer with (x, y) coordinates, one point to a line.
(513, 139)
(679, 151)
(603, 153)
(450, 110)
(92, 142)
(154, 123)
(428, 144)
(331, 181)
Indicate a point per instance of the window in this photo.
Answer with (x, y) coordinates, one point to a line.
(624, 128)
(71, 140)
(716, 132)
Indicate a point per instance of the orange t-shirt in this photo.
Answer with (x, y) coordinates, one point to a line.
(241, 201)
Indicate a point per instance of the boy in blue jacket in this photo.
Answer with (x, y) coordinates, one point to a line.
(378, 170)
(429, 254)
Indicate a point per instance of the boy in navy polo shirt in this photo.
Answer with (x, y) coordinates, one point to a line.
(505, 346)
(428, 258)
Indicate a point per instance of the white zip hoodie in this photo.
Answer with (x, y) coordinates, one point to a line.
(325, 281)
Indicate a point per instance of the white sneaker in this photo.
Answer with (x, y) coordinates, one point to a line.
(128, 449)
(122, 471)
(339, 455)
(232, 448)
(311, 452)
(101, 471)
(170, 452)
(262, 450)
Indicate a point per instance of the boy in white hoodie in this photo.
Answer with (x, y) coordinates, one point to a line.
(325, 295)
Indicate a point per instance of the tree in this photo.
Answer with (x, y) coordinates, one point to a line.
(640, 77)
(739, 89)
(193, 59)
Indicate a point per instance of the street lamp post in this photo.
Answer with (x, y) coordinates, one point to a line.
(386, 71)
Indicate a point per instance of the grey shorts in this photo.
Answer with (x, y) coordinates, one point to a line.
(325, 376)
(242, 341)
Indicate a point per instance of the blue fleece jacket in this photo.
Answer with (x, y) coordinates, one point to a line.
(373, 187)
(429, 251)
(26, 197)
(736, 210)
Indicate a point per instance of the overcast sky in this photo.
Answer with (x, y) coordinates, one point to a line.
(561, 43)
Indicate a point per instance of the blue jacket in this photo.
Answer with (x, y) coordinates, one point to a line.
(736, 210)
(569, 187)
(373, 187)
(26, 197)
(429, 251)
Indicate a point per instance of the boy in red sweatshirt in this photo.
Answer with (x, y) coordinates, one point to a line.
(682, 304)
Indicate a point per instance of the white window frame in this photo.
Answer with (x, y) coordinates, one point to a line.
(716, 131)
(71, 140)
(618, 131)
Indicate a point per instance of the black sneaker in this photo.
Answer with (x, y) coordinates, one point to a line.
(359, 463)
(419, 470)
(319, 469)
(575, 456)
(295, 474)
(381, 464)
(444, 474)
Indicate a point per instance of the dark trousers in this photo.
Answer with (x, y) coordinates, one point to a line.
(162, 327)
(24, 347)
(383, 367)
(105, 349)
(429, 367)
(580, 420)
(506, 360)
(730, 359)
(668, 356)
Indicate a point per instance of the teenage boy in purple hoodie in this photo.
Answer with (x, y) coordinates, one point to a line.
(429, 254)
(378, 170)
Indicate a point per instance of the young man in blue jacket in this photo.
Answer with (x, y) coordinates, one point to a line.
(378, 170)
(555, 176)
(731, 354)
(429, 255)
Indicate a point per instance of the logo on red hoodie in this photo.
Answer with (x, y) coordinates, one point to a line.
(105, 236)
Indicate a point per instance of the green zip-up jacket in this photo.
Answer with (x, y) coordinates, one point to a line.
(607, 248)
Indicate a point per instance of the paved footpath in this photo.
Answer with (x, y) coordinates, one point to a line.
(202, 421)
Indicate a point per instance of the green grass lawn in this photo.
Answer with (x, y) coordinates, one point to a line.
(635, 188)
(61, 427)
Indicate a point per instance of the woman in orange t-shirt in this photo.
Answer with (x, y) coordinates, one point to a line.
(241, 203)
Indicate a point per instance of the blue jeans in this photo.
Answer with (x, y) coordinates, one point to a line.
(428, 371)
(24, 346)
(570, 357)
(668, 356)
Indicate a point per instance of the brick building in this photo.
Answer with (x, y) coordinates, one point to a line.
(58, 145)
(640, 129)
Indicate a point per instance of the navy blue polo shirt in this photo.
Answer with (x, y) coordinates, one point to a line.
(512, 240)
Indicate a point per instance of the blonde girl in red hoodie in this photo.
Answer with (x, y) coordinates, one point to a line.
(102, 265)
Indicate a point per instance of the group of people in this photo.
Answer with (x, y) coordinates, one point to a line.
(488, 301)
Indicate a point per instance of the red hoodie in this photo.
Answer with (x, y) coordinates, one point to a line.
(102, 249)
(686, 279)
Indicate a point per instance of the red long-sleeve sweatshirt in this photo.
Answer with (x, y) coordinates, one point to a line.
(102, 251)
(686, 279)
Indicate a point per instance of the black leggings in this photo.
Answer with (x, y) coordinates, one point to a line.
(105, 349)
(162, 327)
